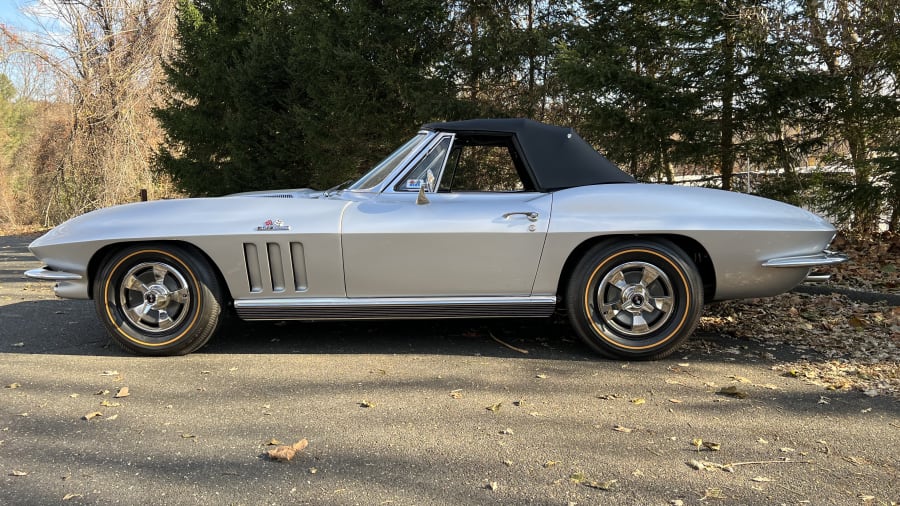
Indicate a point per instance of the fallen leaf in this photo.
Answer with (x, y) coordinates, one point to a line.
(507, 432)
(18, 473)
(733, 392)
(712, 446)
(761, 479)
(608, 397)
(92, 415)
(284, 453)
(367, 404)
(69, 497)
(675, 401)
(787, 450)
(696, 464)
(856, 461)
(638, 401)
(494, 407)
(109, 404)
(619, 428)
(312, 470)
(577, 477)
(113, 417)
(109, 373)
(187, 435)
(456, 394)
(697, 442)
(274, 442)
(713, 493)
(13, 385)
(550, 463)
(600, 485)
(101, 392)
(123, 392)
(541, 376)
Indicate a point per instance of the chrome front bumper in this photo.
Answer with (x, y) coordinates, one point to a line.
(51, 275)
(68, 284)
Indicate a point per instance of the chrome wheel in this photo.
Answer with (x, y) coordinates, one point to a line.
(158, 299)
(153, 296)
(635, 298)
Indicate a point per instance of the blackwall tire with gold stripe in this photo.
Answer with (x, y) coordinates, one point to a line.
(158, 299)
(635, 300)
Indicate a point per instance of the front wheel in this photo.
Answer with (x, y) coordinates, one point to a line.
(635, 300)
(158, 299)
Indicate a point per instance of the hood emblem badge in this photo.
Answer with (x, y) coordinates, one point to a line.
(273, 225)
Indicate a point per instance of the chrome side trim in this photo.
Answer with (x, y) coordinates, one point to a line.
(824, 258)
(51, 275)
(399, 308)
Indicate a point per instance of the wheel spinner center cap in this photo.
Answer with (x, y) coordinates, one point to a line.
(634, 297)
(157, 296)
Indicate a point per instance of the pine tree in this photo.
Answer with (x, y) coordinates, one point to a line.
(279, 93)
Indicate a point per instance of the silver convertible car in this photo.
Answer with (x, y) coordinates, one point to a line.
(467, 219)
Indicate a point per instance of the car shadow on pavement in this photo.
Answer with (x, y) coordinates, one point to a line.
(70, 327)
(516, 338)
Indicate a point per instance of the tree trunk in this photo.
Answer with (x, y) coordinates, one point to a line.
(726, 145)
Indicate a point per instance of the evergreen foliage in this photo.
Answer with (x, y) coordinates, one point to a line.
(292, 93)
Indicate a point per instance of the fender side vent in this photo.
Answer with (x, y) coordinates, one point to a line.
(251, 257)
(270, 262)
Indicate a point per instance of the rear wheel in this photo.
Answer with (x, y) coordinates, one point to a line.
(158, 299)
(635, 300)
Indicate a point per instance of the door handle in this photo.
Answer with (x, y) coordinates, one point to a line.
(531, 215)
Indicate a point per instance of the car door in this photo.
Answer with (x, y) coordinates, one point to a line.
(459, 243)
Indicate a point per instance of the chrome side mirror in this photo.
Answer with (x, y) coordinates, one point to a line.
(428, 183)
(421, 199)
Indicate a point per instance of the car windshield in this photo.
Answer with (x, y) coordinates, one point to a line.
(375, 176)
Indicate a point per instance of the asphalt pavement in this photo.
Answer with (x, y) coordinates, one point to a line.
(416, 413)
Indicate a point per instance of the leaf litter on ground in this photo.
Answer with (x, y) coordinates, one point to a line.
(834, 355)
(842, 344)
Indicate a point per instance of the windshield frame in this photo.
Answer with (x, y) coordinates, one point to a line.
(375, 179)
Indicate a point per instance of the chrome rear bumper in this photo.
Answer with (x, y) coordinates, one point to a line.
(824, 258)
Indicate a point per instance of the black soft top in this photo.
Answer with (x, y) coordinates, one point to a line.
(557, 157)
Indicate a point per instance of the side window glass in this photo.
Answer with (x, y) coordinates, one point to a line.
(433, 162)
(482, 168)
